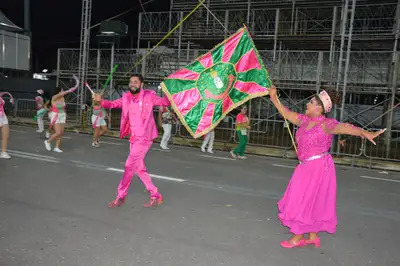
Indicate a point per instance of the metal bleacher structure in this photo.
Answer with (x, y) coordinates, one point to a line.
(307, 45)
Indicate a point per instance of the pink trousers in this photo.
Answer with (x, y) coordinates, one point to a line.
(135, 164)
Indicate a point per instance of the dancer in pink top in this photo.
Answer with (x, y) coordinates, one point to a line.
(308, 205)
(99, 123)
(5, 130)
(242, 126)
(58, 115)
(137, 120)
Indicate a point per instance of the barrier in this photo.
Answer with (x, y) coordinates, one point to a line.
(268, 135)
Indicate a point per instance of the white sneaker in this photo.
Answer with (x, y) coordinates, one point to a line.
(164, 147)
(210, 151)
(57, 150)
(4, 155)
(47, 145)
(203, 149)
(47, 135)
(39, 131)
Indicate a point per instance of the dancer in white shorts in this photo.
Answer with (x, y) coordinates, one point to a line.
(98, 122)
(58, 116)
(5, 130)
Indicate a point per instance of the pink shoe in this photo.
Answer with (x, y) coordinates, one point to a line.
(316, 242)
(155, 199)
(292, 244)
(116, 203)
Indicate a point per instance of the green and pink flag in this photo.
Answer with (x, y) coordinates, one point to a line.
(205, 91)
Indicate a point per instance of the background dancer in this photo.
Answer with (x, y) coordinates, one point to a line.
(308, 205)
(166, 118)
(137, 120)
(98, 122)
(58, 116)
(209, 139)
(41, 101)
(242, 125)
(5, 130)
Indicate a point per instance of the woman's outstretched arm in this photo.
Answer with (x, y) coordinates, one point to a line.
(291, 116)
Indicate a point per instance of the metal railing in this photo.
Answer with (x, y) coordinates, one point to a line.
(268, 132)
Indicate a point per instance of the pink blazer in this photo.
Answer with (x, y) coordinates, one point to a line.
(146, 127)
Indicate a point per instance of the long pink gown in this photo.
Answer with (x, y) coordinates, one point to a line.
(309, 202)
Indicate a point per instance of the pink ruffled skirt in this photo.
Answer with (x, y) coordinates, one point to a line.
(309, 202)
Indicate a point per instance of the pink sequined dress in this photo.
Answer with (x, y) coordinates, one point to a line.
(309, 202)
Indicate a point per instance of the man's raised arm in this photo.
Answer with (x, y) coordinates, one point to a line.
(116, 104)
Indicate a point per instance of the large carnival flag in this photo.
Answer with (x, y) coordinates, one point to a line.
(205, 91)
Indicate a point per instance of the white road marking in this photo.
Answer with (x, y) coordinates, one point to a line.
(283, 166)
(19, 131)
(216, 157)
(383, 172)
(87, 164)
(67, 137)
(156, 149)
(33, 155)
(111, 143)
(381, 179)
(153, 176)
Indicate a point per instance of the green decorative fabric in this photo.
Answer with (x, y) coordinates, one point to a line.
(205, 91)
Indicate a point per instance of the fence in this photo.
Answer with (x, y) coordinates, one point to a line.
(265, 132)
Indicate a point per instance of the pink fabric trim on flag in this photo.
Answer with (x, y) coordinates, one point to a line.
(206, 60)
(230, 46)
(247, 62)
(249, 87)
(226, 104)
(184, 74)
(186, 100)
(206, 120)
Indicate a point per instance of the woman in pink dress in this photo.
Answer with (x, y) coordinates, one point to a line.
(308, 205)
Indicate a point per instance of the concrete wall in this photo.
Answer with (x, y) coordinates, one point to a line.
(25, 88)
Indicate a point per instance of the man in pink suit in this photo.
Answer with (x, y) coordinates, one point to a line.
(137, 120)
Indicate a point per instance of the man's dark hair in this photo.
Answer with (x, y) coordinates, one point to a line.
(139, 76)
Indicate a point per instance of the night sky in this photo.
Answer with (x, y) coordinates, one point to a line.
(57, 23)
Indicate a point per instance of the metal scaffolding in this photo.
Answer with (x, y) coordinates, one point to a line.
(306, 44)
(84, 52)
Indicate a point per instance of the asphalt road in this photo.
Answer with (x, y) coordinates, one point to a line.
(217, 211)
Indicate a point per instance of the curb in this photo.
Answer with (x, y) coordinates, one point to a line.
(226, 146)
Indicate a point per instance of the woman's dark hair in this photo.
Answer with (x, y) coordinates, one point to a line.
(54, 91)
(139, 76)
(46, 96)
(333, 94)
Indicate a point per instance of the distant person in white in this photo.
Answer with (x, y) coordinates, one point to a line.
(41, 107)
(209, 139)
(166, 117)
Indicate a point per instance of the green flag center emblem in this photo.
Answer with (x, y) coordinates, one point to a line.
(216, 82)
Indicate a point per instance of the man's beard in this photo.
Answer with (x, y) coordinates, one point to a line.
(134, 90)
